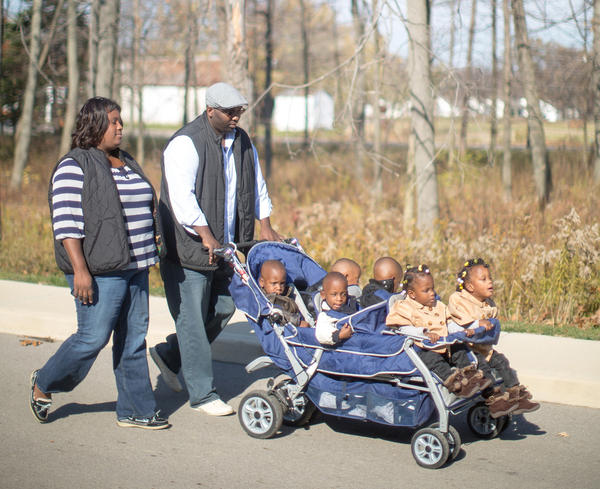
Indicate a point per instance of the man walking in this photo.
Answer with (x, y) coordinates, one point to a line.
(212, 191)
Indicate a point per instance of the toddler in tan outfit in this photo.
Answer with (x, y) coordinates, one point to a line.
(471, 306)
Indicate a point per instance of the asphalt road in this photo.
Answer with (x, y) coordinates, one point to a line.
(82, 447)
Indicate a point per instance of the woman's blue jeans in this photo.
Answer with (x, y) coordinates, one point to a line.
(120, 307)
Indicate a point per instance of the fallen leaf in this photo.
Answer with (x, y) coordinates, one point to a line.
(564, 434)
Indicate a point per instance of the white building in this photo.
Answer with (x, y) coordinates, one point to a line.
(163, 92)
(290, 110)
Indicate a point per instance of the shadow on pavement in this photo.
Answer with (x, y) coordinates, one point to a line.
(74, 408)
(230, 379)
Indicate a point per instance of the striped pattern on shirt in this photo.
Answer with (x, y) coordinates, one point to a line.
(136, 200)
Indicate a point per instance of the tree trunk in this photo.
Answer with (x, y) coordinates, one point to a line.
(377, 190)
(138, 79)
(1, 67)
(421, 94)
(357, 95)
(73, 68)
(93, 47)
(24, 126)
(507, 127)
(108, 34)
(305, 68)
(267, 112)
(468, 81)
(452, 131)
(237, 54)
(494, 108)
(541, 170)
(189, 54)
(596, 82)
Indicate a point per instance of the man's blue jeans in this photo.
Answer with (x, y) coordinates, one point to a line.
(201, 307)
(120, 306)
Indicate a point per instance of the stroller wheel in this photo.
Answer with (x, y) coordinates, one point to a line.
(430, 448)
(482, 424)
(297, 412)
(260, 414)
(300, 413)
(453, 438)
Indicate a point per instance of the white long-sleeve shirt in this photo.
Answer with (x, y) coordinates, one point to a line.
(181, 167)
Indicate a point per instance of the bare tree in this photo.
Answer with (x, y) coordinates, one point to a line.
(305, 67)
(596, 82)
(506, 120)
(357, 93)
(377, 189)
(421, 98)
(452, 143)
(24, 126)
(93, 23)
(494, 97)
(73, 69)
(108, 35)
(190, 52)
(137, 61)
(267, 107)
(541, 170)
(468, 81)
(237, 53)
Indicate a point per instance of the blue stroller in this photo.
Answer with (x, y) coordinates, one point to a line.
(372, 376)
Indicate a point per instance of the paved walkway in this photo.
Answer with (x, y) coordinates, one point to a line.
(561, 370)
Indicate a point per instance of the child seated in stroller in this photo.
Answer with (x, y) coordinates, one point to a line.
(273, 281)
(335, 305)
(352, 271)
(387, 276)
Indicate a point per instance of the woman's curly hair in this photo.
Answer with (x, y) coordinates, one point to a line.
(92, 122)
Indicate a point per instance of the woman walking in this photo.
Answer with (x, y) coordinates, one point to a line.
(106, 236)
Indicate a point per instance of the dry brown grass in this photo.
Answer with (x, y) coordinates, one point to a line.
(546, 265)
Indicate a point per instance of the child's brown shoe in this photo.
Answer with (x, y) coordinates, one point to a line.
(500, 405)
(526, 406)
(455, 381)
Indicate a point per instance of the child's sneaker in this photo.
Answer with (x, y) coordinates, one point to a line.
(500, 405)
(39, 407)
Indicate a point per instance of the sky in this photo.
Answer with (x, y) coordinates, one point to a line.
(549, 20)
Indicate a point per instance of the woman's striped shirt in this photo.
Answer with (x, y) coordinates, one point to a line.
(136, 201)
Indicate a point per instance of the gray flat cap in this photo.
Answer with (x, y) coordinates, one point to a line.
(224, 96)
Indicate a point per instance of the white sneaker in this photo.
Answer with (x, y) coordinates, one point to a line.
(168, 375)
(215, 408)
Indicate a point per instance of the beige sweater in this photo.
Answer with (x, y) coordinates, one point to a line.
(464, 308)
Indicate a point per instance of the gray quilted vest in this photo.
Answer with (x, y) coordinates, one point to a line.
(183, 247)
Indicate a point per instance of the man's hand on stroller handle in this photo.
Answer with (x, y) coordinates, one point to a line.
(208, 240)
(267, 233)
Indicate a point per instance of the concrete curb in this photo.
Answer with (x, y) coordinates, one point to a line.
(561, 370)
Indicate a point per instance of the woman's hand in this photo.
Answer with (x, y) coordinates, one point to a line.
(82, 278)
(83, 287)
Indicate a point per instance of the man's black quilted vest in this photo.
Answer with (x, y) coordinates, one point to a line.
(105, 246)
(184, 247)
